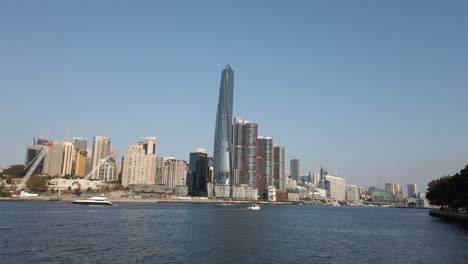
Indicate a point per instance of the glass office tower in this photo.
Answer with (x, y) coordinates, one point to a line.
(222, 153)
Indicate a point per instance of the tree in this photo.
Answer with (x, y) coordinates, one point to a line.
(37, 183)
(450, 191)
(89, 189)
(4, 192)
(52, 191)
(16, 171)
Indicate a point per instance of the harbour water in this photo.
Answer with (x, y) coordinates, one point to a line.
(60, 232)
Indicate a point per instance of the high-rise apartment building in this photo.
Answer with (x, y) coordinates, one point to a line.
(197, 176)
(107, 171)
(133, 168)
(279, 167)
(174, 172)
(265, 164)
(245, 153)
(101, 149)
(412, 191)
(68, 155)
(222, 153)
(294, 167)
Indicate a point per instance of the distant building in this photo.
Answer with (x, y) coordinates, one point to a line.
(390, 187)
(244, 192)
(222, 153)
(80, 144)
(107, 171)
(139, 164)
(265, 164)
(68, 153)
(198, 174)
(381, 196)
(412, 191)
(80, 163)
(101, 149)
(294, 167)
(352, 193)
(336, 187)
(245, 153)
(53, 160)
(174, 172)
(279, 167)
(64, 184)
(31, 154)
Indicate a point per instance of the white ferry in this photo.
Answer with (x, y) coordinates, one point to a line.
(96, 200)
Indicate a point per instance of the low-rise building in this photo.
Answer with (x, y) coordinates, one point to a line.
(244, 192)
(293, 197)
(64, 184)
(181, 191)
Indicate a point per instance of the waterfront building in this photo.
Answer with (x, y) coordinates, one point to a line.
(133, 169)
(222, 153)
(174, 172)
(294, 166)
(390, 187)
(245, 153)
(244, 192)
(68, 154)
(107, 172)
(53, 160)
(271, 194)
(315, 179)
(80, 163)
(180, 191)
(412, 191)
(352, 193)
(238, 158)
(64, 184)
(381, 196)
(265, 164)
(101, 149)
(80, 143)
(336, 187)
(279, 167)
(198, 173)
(31, 154)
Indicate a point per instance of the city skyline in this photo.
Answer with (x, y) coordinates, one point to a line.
(386, 112)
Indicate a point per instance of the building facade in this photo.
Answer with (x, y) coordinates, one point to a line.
(197, 176)
(265, 164)
(68, 155)
(336, 187)
(412, 191)
(279, 167)
(101, 149)
(295, 169)
(222, 153)
(174, 172)
(352, 193)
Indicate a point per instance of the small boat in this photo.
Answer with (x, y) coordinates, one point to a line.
(254, 207)
(96, 200)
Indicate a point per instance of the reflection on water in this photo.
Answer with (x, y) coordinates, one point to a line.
(60, 232)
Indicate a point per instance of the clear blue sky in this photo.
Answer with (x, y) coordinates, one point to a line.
(375, 90)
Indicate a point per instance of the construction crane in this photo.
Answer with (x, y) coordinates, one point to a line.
(101, 162)
(35, 162)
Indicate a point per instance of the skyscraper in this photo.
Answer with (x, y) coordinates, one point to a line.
(265, 164)
(222, 153)
(279, 168)
(197, 176)
(68, 155)
(412, 191)
(294, 167)
(101, 148)
(245, 153)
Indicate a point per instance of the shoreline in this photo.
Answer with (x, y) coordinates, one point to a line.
(463, 218)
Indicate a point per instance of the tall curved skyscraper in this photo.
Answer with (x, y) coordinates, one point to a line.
(223, 132)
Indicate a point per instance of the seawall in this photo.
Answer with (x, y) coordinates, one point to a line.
(449, 215)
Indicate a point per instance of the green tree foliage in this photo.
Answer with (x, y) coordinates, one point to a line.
(450, 191)
(37, 183)
(4, 192)
(16, 171)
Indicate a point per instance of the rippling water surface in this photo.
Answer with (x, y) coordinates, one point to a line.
(60, 232)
